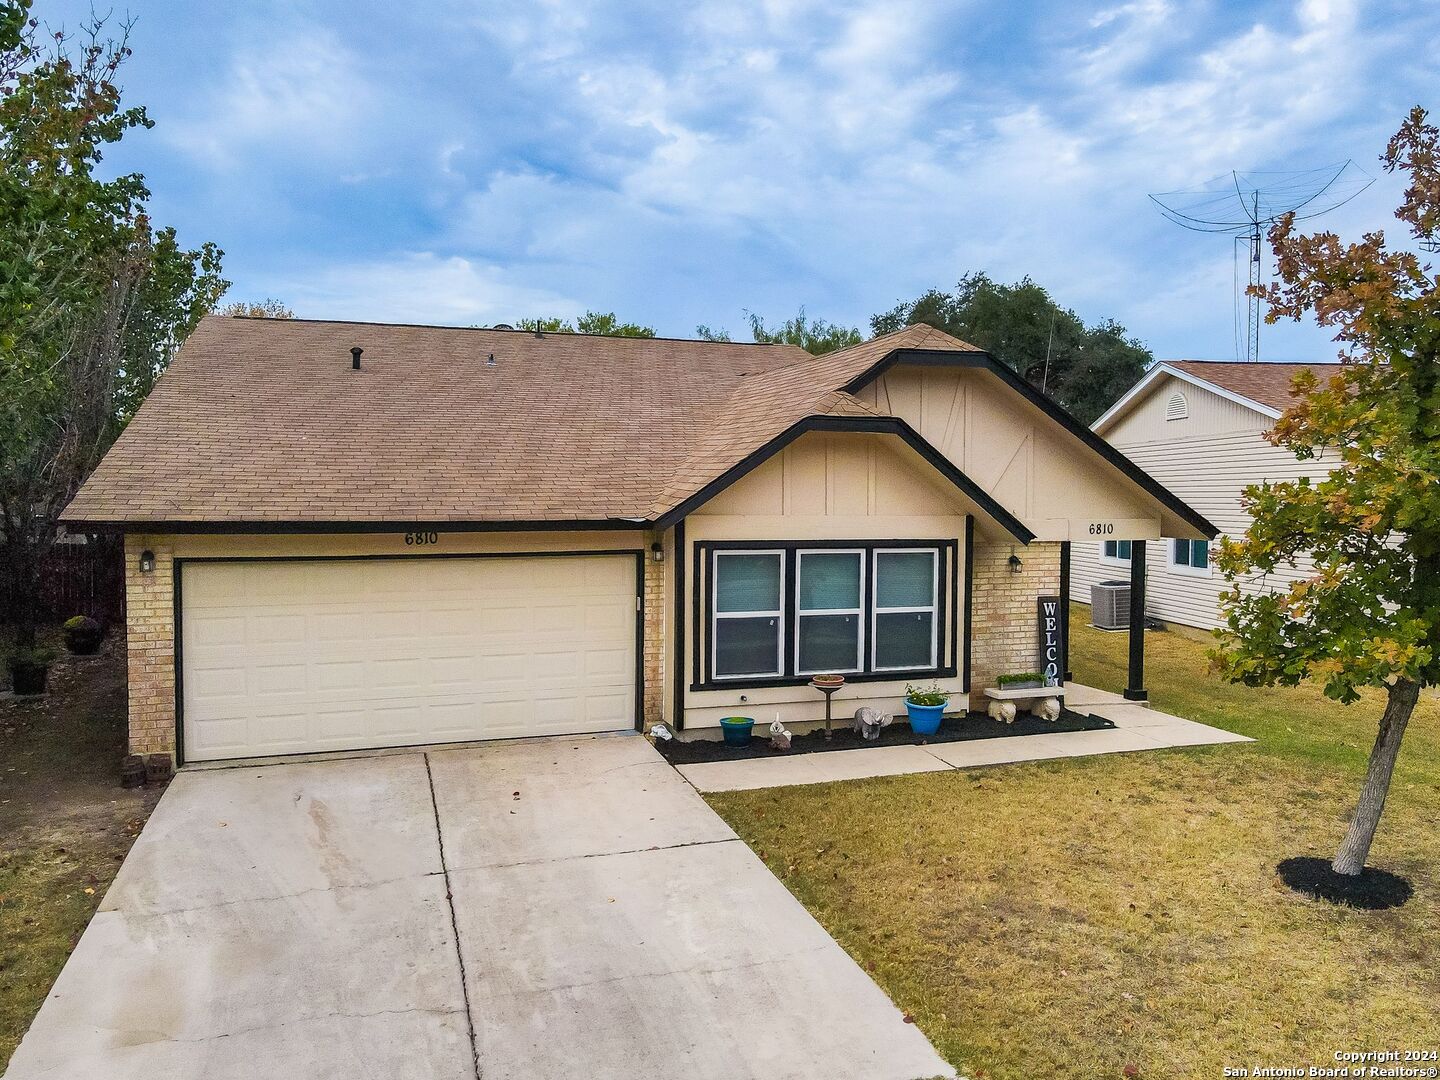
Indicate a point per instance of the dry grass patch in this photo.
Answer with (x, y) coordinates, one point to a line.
(65, 825)
(1071, 918)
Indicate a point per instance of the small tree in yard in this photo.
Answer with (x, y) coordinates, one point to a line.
(93, 298)
(1370, 614)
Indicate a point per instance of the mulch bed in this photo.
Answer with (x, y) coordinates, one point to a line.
(1369, 890)
(971, 726)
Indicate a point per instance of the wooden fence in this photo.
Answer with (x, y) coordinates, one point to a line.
(81, 579)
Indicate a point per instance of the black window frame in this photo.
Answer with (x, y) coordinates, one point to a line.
(702, 598)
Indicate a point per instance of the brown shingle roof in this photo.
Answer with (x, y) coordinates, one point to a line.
(1267, 383)
(263, 420)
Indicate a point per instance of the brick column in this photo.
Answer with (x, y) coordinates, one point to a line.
(150, 641)
(1003, 632)
(655, 601)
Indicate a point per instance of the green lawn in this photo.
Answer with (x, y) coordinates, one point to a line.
(65, 825)
(1073, 918)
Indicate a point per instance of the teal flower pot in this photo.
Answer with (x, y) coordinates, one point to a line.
(737, 729)
(925, 719)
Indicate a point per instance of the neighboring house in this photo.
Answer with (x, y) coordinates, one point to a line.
(1197, 426)
(470, 534)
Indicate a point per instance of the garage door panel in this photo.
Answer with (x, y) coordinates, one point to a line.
(292, 656)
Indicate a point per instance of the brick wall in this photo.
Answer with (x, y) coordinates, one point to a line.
(1003, 632)
(150, 640)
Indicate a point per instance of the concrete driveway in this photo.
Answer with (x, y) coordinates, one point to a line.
(545, 909)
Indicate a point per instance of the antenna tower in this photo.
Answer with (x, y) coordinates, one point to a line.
(1245, 205)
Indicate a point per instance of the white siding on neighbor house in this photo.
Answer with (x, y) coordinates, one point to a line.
(1208, 472)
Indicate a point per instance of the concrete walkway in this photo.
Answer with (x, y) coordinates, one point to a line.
(1137, 727)
(534, 910)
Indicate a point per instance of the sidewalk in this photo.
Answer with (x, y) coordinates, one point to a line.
(1137, 727)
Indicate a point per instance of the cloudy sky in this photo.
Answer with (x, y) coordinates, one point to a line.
(679, 163)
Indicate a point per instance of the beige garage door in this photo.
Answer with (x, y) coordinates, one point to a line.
(290, 657)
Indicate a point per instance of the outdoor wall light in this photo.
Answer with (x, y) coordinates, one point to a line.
(657, 553)
(147, 561)
(1015, 564)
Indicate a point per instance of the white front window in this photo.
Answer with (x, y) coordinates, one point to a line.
(904, 627)
(748, 631)
(829, 601)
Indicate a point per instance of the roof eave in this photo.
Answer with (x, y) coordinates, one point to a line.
(250, 526)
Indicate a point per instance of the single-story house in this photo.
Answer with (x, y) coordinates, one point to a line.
(1198, 427)
(348, 535)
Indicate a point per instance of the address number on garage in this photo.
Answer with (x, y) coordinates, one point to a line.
(1102, 528)
(421, 539)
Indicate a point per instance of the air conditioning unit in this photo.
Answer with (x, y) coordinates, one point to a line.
(1110, 605)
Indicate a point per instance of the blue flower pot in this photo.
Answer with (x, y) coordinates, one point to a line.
(925, 719)
(737, 729)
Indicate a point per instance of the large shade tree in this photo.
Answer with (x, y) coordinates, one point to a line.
(1370, 613)
(1085, 368)
(94, 298)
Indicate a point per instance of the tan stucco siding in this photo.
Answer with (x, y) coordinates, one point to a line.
(1207, 414)
(151, 600)
(1209, 473)
(1044, 475)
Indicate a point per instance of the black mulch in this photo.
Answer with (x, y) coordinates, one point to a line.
(975, 725)
(1370, 890)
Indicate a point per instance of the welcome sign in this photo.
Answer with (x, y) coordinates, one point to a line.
(1050, 636)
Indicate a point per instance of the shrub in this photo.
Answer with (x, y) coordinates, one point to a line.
(1020, 677)
(82, 635)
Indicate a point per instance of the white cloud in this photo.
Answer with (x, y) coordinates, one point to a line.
(299, 89)
(420, 286)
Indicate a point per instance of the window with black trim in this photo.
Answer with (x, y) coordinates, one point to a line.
(906, 599)
(867, 610)
(829, 606)
(748, 632)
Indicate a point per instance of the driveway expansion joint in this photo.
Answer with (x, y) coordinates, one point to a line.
(595, 855)
(454, 924)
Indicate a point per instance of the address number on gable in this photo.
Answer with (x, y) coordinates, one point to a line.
(421, 538)
(1102, 528)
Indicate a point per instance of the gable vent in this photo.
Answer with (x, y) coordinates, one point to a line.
(1177, 408)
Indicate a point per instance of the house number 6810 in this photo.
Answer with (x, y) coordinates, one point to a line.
(422, 538)
(1101, 528)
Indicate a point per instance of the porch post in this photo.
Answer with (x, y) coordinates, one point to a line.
(1135, 684)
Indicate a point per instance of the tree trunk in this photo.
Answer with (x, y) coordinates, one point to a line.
(1355, 848)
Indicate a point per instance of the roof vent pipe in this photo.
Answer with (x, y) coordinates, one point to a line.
(355, 357)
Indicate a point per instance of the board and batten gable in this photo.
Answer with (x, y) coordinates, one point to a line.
(1044, 475)
(824, 487)
(1207, 453)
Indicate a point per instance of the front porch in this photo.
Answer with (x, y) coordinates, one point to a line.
(1137, 727)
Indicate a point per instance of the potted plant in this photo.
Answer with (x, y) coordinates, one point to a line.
(1024, 680)
(926, 706)
(28, 669)
(83, 635)
(737, 729)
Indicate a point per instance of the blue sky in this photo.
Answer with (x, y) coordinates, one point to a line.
(680, 163)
